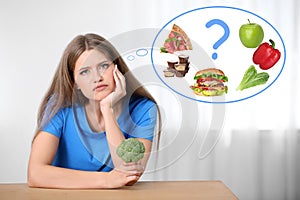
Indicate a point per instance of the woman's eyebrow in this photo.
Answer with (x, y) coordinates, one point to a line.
(84, 67)
(105, 61)
(88, 66)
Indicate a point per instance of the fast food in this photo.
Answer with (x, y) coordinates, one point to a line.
(177, 41)
(210, 82)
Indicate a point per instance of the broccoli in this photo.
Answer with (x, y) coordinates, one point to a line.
(131, 150)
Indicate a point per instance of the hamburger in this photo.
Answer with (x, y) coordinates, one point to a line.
(210, 82)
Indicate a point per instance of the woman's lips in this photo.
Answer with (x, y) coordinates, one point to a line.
(100, 87)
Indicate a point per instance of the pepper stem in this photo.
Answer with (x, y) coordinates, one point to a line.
(272, 43)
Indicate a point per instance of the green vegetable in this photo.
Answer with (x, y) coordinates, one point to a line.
(178, 43)
(131, 150)
(252, 78)
(163, 50)
(209, 74)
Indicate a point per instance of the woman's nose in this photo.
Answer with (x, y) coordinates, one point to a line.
(98, 76)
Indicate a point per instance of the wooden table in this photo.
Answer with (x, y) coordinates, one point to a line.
(156, 190)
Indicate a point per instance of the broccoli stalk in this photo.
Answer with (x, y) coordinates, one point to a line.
(131, 150)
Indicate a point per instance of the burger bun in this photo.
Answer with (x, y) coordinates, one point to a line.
(210, 70)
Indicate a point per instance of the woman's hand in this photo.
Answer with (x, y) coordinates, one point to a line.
(126, 174)
(135, 168)
(119, 92)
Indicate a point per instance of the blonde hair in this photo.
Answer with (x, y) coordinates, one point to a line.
(62, 92)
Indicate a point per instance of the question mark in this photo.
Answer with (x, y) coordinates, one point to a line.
(223, 38)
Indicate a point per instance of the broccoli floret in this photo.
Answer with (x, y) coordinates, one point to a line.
(131, 150)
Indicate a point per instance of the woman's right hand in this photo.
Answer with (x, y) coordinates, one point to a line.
(119, 92)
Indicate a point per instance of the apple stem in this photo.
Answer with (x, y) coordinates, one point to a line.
(249, 21)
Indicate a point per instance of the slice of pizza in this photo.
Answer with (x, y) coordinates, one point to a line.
(177, 41)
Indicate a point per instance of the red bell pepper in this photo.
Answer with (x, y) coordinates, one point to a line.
(266, 56)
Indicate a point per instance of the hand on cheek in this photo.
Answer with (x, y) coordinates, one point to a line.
(119, 91)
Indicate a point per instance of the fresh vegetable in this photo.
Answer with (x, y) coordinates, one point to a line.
(131, 150)
(266, 56)
(251, 34)
(252, 78)
(163, 50)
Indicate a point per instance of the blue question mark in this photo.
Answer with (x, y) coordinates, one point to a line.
(223, 38)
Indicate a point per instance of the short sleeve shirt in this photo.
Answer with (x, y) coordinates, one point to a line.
(83, 149)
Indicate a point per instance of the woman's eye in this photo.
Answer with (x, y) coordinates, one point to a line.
(104, 66)
(84, 72)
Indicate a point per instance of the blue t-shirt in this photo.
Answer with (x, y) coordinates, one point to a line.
(83, 149)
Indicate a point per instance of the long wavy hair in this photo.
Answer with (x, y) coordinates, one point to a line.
(62, 91)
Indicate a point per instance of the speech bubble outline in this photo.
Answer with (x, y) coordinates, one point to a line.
(229, 101)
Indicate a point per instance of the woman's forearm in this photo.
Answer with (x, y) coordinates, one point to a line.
(42, 174)
(48, 176)
(113, 133)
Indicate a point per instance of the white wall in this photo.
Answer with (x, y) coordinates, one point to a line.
(33, 35)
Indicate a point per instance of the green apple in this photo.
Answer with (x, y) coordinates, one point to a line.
(251, 34)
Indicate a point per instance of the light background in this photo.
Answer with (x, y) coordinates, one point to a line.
(257, 156)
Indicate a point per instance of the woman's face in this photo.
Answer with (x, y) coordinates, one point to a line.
(93, 75)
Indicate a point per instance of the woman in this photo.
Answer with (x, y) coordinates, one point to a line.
(89, 109)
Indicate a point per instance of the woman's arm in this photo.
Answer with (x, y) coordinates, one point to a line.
(115, 138)
(113, 132)
(42, 174)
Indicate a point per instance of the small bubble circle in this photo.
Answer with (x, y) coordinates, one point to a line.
(130, 57)
(141, 52)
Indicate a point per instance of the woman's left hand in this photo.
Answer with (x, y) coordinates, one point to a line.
(119, 92)
(135, 168)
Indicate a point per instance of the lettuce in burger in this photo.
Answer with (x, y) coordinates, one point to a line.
(210, 82)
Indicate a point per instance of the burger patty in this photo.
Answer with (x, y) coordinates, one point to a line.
(210, 83)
